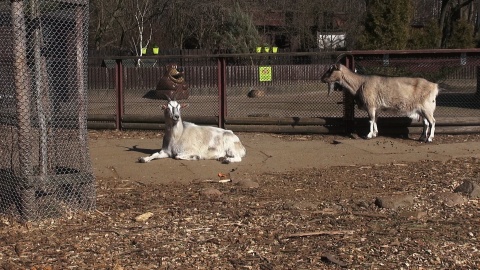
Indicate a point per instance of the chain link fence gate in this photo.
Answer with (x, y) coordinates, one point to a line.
(45, 168)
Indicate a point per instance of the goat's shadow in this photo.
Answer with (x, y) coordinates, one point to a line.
(141, 150)
(399, 130)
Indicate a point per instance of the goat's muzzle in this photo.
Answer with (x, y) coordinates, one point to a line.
(328, 78)
(331, 84)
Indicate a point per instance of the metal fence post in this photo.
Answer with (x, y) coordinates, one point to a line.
(119, 90)
(222, 92)
(477, 70)
(348, 101)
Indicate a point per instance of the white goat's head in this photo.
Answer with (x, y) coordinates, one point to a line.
(332, 76)
(172, 110)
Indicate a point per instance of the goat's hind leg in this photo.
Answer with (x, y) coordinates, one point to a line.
(428, 127)
(187, 157)
(234, 150)
(157, 155)
(229, 159)
(430, 121)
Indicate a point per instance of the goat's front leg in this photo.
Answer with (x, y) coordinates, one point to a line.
(157, 155)
(432, 131)
(373, 124)
(424, 135)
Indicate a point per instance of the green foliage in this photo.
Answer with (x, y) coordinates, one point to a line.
(462, 36)
(237, 33)
(425, 38)
(387, 25)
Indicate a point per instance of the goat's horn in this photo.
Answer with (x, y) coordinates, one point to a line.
(168, 97)
(341, 56)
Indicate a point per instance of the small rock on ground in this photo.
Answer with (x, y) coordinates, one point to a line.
(300, 205)
(413, 214)
(246, 183)
(450, 199)
(469, 188)
(394, 201)
(211, 192)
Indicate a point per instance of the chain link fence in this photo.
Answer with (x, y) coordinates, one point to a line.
(282, 92)
(274, 86)
(118, 89)
(45, 168)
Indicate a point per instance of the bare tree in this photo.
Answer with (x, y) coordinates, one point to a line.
(118, 23)
(143, 36)
(206, 21)
(103, 22)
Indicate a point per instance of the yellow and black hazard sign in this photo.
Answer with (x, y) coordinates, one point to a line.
(265, 73)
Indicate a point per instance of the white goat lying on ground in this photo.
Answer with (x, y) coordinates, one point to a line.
(187, 141)
(414, 97)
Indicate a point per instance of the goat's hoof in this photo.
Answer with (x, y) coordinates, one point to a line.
(142, 160)
(224, 160)
(425, 139)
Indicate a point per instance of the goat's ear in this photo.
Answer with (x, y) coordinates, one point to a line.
(164, 107)
(184, 105)
(336, 66)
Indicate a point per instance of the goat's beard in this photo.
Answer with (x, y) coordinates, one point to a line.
(331, 87)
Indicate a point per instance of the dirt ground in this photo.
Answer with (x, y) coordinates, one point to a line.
(299, 215)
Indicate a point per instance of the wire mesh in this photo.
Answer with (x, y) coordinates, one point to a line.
(271, 85)
(200, 75)
(45, 168)
(102, 93)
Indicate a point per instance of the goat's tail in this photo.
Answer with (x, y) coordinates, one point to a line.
(440, 88)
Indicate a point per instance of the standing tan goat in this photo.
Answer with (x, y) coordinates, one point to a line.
(414, 97)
